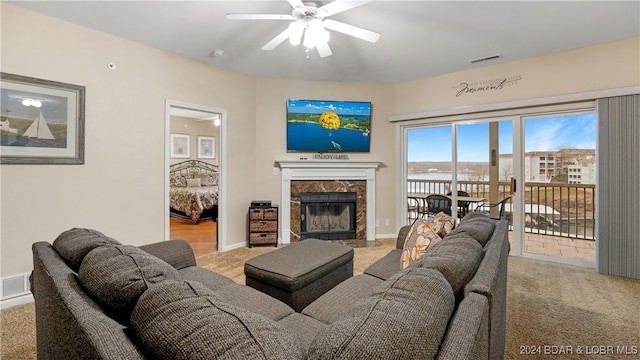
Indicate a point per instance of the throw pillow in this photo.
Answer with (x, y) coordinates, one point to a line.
(186, 320)
(116, 275)
(193, 182)
(205, 180)
(447, 222)
(422, 235)
(73, 245)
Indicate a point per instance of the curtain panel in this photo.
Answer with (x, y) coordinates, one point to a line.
(618, 187)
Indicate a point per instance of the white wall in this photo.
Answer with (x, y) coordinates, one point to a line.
(605, 66)
(120, 188)
(271, 121)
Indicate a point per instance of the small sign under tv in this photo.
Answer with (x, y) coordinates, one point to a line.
(328, 126)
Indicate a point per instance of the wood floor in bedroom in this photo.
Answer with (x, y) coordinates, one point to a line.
(201, 236)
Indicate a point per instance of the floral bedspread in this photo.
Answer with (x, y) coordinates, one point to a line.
(193, 200)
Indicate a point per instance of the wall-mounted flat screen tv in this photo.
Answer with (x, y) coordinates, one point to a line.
(328, 126)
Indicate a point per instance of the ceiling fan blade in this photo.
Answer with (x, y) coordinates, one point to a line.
(360, 33)
(296, 3)
(277, 40)
(323, 49)
(259, 17)
(339, 6)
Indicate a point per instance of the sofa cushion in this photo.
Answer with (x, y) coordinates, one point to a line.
(405, 318)
(422, 235)
(303, 326)
(73, 245)
(251, 299)
(208, 278)
(116, 275)
(456, 258)
(475, 214)
(186, 320)
(386, 266)
(478, 227)
(333, 304)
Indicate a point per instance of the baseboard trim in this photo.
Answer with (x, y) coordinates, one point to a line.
(18, 300)
(234, 246)
(386, 236)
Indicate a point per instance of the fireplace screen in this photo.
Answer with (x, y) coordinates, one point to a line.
(328, 216)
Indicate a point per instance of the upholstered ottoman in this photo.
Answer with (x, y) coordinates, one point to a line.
(299, 273)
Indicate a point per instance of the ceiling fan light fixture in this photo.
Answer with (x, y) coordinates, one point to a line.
(315, 34)
(310, 24)
(296, 29)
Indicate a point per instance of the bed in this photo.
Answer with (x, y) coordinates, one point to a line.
(193, 190)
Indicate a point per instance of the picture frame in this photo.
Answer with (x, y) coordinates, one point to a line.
(180, 146)
(206, 147)
(41, 121)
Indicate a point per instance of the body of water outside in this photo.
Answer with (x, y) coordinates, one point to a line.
(440, 188)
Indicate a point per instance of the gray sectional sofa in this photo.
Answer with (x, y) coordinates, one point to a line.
(98, 299)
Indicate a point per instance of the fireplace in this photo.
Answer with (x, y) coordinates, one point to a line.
(328, 215)
(299, 176)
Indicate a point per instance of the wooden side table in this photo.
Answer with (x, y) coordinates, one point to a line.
(263, 225)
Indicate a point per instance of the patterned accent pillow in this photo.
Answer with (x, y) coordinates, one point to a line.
(193, 182)
(422, 236)
(447, 222)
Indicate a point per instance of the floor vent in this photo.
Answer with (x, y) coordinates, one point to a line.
(15, 285)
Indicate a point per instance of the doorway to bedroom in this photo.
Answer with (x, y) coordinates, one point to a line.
(193, 176)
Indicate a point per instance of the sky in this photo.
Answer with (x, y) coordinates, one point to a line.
(541, 134)
(318, 107)
(54, 108)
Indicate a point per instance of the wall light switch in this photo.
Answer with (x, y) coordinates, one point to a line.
(386, 222)
(276, 171)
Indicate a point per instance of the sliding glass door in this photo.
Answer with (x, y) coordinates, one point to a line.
(429, 167)
(462, 161)
(542, 161)
(559, 194)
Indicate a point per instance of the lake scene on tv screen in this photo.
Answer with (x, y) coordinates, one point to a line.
(328, 126)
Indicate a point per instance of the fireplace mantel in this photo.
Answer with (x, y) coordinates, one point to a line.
(327, 170)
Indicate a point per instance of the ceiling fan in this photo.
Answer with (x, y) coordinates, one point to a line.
(309, 25)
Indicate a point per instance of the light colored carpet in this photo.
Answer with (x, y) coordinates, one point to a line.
(553, 307)
(550, 307)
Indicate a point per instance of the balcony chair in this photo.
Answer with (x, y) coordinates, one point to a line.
(463, 206)
(486, 207)
(413, 208)
(438, 203)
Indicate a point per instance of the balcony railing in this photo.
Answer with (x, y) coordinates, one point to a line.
(566, 210)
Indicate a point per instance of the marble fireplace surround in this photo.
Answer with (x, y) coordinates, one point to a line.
(304, 175)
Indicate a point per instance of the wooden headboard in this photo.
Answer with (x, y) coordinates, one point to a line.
(180, 172)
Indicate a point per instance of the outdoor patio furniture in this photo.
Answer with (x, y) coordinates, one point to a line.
(463, 206)
(438, 203)
(486, 207)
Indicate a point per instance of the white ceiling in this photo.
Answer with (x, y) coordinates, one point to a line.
(418, 38)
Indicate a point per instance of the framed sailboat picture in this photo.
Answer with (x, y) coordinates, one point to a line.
(41, 121)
